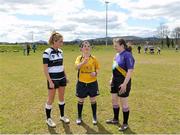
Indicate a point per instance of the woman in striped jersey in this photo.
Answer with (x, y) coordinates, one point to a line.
(55, 75)
(122, 69)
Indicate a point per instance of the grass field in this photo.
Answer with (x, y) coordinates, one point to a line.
(154, 99)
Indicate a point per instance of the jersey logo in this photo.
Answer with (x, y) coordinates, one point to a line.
(53, 56)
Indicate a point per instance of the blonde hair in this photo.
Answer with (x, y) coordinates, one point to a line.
(55, 36)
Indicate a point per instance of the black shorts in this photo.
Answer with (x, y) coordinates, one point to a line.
(58, 83)
(87, 89)
(115, 88)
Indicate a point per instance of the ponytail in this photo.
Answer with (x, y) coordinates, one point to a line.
(55, 36)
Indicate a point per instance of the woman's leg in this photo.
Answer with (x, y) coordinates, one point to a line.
(80, 107)
(50, 100)
(61, 91)
(61, 100)
(125, 110)
(115, 104)
(94, 108)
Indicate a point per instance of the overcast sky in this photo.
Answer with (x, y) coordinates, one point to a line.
(84, 19)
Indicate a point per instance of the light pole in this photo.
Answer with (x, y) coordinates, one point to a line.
(106, 2)
(32, 36)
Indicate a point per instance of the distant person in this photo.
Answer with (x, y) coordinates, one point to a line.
(28, 49)
(176, 47)
(34, 47)
(87, 85)
(139, 49)
(145, 49)
(24, 49)
(158, 50)
(55, 75)
(122, 70)
(151, 49)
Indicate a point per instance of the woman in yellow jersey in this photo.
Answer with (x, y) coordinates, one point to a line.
(87, 85)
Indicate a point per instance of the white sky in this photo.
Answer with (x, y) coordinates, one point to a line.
(84, 19)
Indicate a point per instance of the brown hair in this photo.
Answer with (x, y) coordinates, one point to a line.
(82, 43)
(55, 36)
(122, 42)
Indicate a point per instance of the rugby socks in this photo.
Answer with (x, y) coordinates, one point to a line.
(80, 107)
(48, 110)
(94, 107)
(61, 108)
(116, 112)
(125, 115)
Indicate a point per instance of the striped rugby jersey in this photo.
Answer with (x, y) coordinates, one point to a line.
(54, 59)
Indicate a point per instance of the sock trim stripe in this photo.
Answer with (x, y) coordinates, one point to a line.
(48, 106)
(61, 102)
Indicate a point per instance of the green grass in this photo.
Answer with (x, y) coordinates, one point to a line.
(154, 99)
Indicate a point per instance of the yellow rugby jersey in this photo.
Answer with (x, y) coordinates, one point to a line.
(84, 72)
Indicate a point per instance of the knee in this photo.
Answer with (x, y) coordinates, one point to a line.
(80, 101)
(125, 108)
(114, 102)
(93, 100)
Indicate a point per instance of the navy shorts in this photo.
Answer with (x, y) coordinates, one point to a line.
(87, 89)
(115, 88)
(58, 83)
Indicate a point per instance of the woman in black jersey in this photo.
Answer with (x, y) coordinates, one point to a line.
(55, 75)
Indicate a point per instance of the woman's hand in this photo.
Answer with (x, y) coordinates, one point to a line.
(67, 80)
(51, 84)
(85, 60)
(110, 82)
(122, 88)
(93, 74)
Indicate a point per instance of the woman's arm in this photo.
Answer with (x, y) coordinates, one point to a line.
(78, 66)
(126, 80)
(45, 67)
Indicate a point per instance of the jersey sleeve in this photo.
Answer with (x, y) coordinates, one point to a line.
(45, 58)
(129, 60)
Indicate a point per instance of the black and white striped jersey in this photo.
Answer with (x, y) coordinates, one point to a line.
(54, 59)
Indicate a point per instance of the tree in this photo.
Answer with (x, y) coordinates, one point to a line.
(167, 41)
(177, 33)
(162, 43)
(162, 32)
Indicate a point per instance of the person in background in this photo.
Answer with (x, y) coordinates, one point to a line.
(34, 47)
(120, 82)
(28, 49)
(87, 85)
(145, 49)
(139, 49)
(24, 49)
(56, 76)
(176, 47)
(158, 50)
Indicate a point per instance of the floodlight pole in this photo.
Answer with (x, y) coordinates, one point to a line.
(106, 2)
